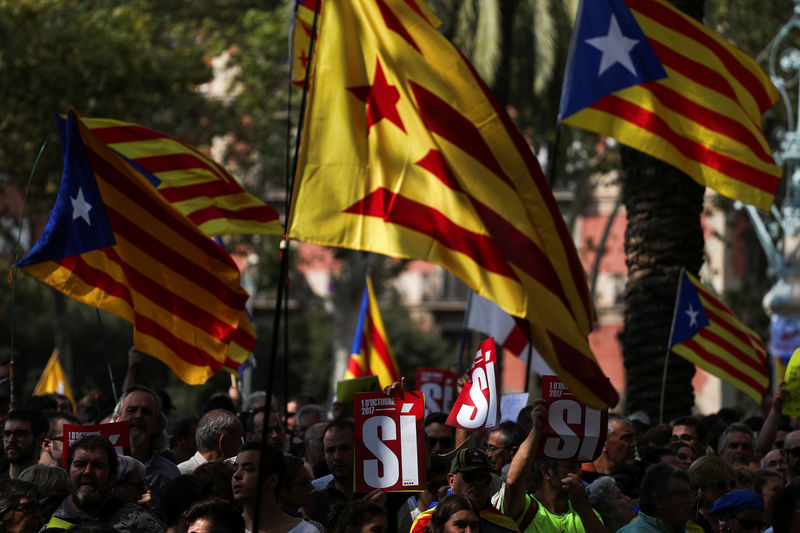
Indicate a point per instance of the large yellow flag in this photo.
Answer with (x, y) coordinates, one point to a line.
(53, 379)
(406, 153)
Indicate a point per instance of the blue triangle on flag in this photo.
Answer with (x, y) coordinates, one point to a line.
(690, 316)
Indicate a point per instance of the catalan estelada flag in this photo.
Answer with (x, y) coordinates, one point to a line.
(708, 334)
(54, 379)
(659, 81)
(195, 184)
(406, 153)
(113, 242)
(371, 354)
(302, 27)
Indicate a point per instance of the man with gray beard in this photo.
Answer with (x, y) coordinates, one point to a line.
(92, 466)
(141, 408)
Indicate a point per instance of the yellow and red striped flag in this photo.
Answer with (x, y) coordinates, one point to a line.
(195, 184)
(406, 153)
(113, 242)
(53, 379)
(302, 27)
(659, 81)
(708, 334)
(371, 354)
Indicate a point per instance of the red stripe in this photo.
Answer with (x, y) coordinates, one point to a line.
(207, 189)
(380, 347)
(678, 22)
(96, 278)
(584, 370)
(396, 209)
(393, 23)
(729, 348)
(186, 351)
(259, 213)
(740, 334)
(441, 118)
(517, 247)
(243, 338)
(353, 367)
(176, 161)
(695, 151)
(516, 341)
(125, 134)
(540, 183)
(710, 119)
(723, 365)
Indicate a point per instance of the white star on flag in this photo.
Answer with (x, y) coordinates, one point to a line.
(615, 47)
(692, 316)
(80, 207)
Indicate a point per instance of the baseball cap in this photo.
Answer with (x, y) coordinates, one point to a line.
(736, 501)
(469, 459)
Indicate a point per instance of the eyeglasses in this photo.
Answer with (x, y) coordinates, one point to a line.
(750, 524)
(473, 476)
(444, 442)
(722, 484)
(493, 449)
(18, 434)
(794, 451)
(57, 437)
(685, 437)
(27, 508)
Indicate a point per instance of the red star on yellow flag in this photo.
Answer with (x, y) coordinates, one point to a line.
(381, 99)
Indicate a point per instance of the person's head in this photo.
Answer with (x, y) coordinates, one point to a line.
(437, 473)
(338, 441)
(359, 516)
(216, 476)
(293, 407)
(684, 454)
(178, 495)
(614, 507)
(742, 511)
(19, 506)
(130, 484)
(64, 403)
(214, 516)
(455, 514)
(49, 480)
(693, 431)
(784, 508)
(297, 489)
(737, 444)
(141, 408)
(547, 475)
(665, 494)
(307, 416)
(711, 478)
(471, 476)
(182, 441)
(791, 443)
(52, 445)
(503, 443)
(620, 447)
(92, 467)
(24, 431)
(775, 460)
(245, 478)
(219, 431)
(312, 440)
(441, 438)
(660, 455)
(766, 483)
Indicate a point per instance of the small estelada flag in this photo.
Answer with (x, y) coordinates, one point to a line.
(478, 406)
(54, 379)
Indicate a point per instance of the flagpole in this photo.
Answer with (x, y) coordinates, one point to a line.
(528, 365)
(12, 392)
(105, 355)
(551, 170)
(669, 347)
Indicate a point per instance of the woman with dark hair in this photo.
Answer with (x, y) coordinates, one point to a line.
(19, 507)
(361, 517)
(454, 514)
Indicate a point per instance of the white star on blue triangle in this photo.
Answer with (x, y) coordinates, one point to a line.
(690, 316)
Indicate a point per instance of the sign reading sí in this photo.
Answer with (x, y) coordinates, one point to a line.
(390, 446)
(439, 388)
(571, 431)
(478, 406)
(118, 433)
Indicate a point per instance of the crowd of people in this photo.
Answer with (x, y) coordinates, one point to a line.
(210, 473)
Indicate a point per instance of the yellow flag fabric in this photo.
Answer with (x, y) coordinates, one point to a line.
(406, 153)
(53, 379)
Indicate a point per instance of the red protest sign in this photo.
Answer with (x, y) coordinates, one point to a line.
(116, 432)
(439, 388)
(571, 431)
(390, 449)
(477, 407)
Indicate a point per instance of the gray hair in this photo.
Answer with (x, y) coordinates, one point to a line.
(601, 494)
(736, 427)
(312, 409)
(213, 425)
(658, 479)
(159, 440)
(615, 417)
(46, 478)
(128, 466)
(11, 492)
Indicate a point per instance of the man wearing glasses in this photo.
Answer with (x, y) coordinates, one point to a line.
(24, 431)
(791, 443)
(503, 443)
(441, 437)
(52, 446)
(692, 431)
(471, 476)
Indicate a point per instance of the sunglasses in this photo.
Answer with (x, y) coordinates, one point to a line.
(751, 524)
(794, 451)
(722, 484)
(444, 442)
(482, 477)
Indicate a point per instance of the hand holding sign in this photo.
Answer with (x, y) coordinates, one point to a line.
(477, 406)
